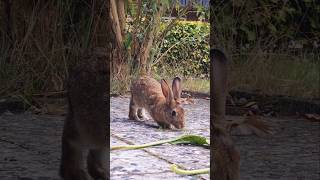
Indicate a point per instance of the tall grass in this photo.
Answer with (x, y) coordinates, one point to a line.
(258, 41)
(33, 61)
(279, 74)
(46, 38)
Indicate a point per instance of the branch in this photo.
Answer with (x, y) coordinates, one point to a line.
(134, 45)
(115, 22)
(149, 39)
(121, 15)
(173, 22)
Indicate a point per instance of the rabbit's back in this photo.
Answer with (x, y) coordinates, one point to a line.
(146, 91)
(84, 138)
(87, 115)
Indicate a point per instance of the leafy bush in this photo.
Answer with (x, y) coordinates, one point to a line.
(272, 26)
(185, 50)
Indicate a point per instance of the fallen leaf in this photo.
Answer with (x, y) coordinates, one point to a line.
(250, 125)
(249, 104)
(312, 117)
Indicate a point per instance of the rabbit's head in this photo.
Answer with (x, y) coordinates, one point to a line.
(174, 113)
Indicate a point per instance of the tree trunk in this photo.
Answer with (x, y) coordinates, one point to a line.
(115, 22)
(121, 16)
(145, 48)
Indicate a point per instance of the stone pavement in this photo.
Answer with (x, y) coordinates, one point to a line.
(30, 147)
(154, 162)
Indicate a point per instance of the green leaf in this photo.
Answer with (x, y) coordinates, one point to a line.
(128, 40)
(191, 139)
(154, 7)
(282, 15)
(272, 28)
(251, 35)
(177, 170)
(314, 23)
(184, 139)
(166, 3)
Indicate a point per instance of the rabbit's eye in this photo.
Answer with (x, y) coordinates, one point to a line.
(173, 113)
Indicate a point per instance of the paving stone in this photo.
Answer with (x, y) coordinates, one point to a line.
(30, 147)
(145, 131)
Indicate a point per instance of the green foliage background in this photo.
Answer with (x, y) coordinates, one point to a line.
(185, 50)
(271, 25)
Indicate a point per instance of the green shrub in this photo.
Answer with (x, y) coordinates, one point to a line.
(185, 51)
(269, 26)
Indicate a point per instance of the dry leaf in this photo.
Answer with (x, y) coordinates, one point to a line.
(249, 104)
(312, 117)
(187, 100)
(250, 125)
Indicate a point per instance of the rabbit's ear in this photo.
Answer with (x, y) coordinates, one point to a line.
(176, 88)
(166, 90)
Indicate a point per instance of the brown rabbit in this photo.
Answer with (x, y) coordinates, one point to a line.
(85, 134)
(159, 100)
(226, 158)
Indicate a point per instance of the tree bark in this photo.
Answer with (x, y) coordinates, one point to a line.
(145, 49)
(115, 22)
(121, 16)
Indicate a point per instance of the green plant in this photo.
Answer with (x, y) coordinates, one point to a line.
(185, 51)
(242, 26)
(183, 139)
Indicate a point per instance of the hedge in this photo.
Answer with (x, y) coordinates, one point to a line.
(185, 50)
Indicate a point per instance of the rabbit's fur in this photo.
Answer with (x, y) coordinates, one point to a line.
(226, 158)
(84, 139)
(159, 100)
(219, 81)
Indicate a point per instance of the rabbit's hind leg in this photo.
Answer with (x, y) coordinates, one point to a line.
(97, 163)
(133, 108)
(141, 113)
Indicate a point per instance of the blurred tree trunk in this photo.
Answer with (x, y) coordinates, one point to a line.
(122, 15)
(118, 22)
(7, 16)
(138, 51)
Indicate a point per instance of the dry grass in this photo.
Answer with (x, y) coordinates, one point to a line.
(37, 60)
(277, 74)
(197, 85)
(44, 43)
(270, 74)
(188, 83)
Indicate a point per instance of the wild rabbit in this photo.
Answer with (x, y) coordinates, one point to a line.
(219, 84)
(85, 134)
(251, 124)
(226, 158)
(159, 100)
